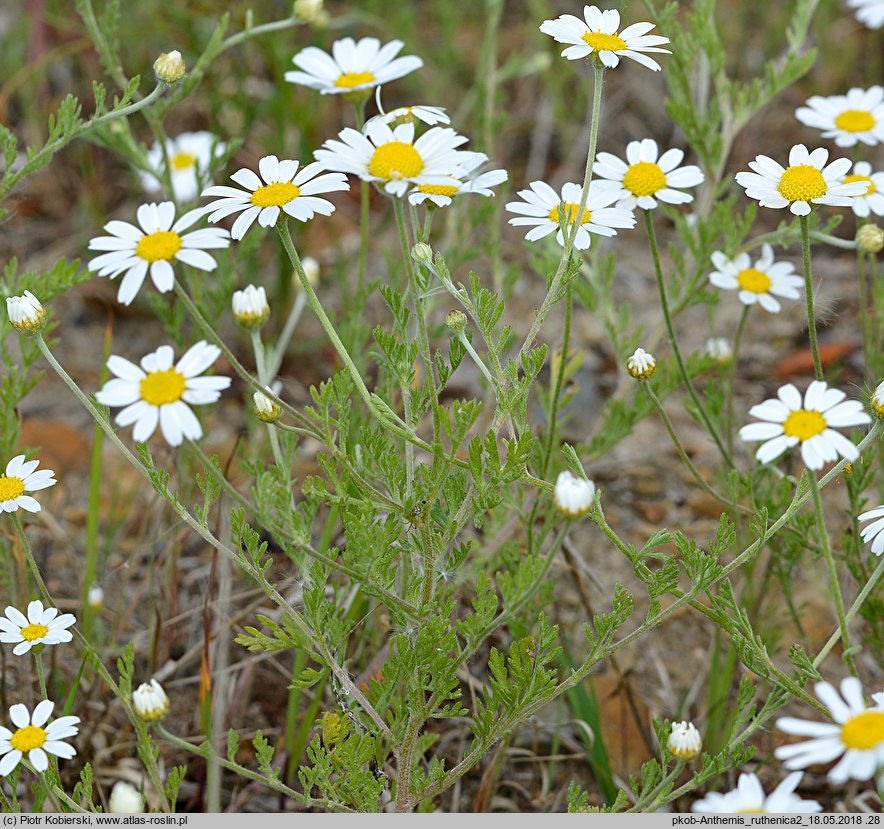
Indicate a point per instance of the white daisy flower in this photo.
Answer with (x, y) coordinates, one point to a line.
(159, 241)
(646, 177)
(811, 422)
(441, 195)
(352, 66)
(875, 531)
(869, 12)
(39, 627)
(804, 182)
(539, 210)
(159, 392)
(250, 307)
(759, 283)
(855, 117)
(599, 36)
(150, 701)
(394, 159)
(34, 738)
(641, 364)
(749, 798)
(190, 155)
(25, 313)
(281, 187)
(404, 115)
(872, 201)
(857, 734)
(573, 496)
(719, 349)
(20, 478)
(684, 740)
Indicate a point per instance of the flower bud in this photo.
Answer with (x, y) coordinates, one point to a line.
(250, 307)
(456, 321)
(422, 253)
(169, 67)
(878, 400)
(719, 349)
(311, 270)
(311, 11)
(150, 701)
(26, 313)
(95, 597)
(870, 238)
(573, 496)
(125, 799)
(641, 364)
(265, 409)
(684, 741)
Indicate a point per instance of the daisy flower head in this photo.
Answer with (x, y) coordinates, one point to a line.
(647, 177)
(26, 313)
(20, 477)
(870, 238)
(35, 738)
(856, 736)
(352, 67)
(39, 627)
(758, 283)
(441, 195)
(857, 117)
(573, 496)
(408, 115)
(125, 799)
(394, 159)
(280, 188)
(807, 180)
(641, 364)
(874, 532)
(539, 210)
(190, 155)
(788, 421)
(749, 798)
(159, 392)
(250, 307)
(719, 349)
(150, 701)
(869, 12)
(597, 36)
(684, 741)
(872, 201)
(153, 246)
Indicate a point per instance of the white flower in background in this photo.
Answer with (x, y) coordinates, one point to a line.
(159, 392)
(95, 597)
(872, 201)
(573, 496)
(170, 67)
(789, 421)
(311, 270)
(190, 155)
(647, 177)
(719, 349)
(804, 182)
(684, 741)
(758, 283)
(25, 313)
(280, 188)
(39, 627)
(311, 11)
(478, 183)
(870, 238)
(34, 738)
(539, 209)
(874, 532)
(159, 241)
(857, 117)
(352, 66)
(749, 798)
(20, 478)
(857, 734)
(125, 799)
(869, 12)
(266, 409)
(598, 36)
(641, 364)
(393, 158)
(150, 701)
(250, 307)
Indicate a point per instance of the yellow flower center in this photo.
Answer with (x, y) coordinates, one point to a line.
(864, 731)
(869, 183)
(395, 160)
(34, 632)
(11, 488)
(803, 182)
(438, 189)
(600, 42)
(757, 282)
(571, 210)
(28, 738)
(163, 244)
(350, 79)
(644, 179)
(804, 424)
(276, 194)
(855, 120)
(182, 161)
(162, 387)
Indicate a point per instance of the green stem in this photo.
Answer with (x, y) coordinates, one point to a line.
(732, 377)
(808, 293)
(41, 674)
(278, 351)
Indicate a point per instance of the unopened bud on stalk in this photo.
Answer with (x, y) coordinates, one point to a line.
(95, 597)
(870, 239)
(456, 321)
(311, 11)
(250, 307)
(26, 313)
(265, 409)
(641, 364)
(169, 67)
(125, 799)
(573, 496)
(719, 349)
(684, 741)
(150, 701)
(311, 270)
(422, 253)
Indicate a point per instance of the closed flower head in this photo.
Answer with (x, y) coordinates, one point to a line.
(573, 496)
(641, 364)
(150, 701)
(26, 313)
(250, 307)
(169, 67)
(684, 741)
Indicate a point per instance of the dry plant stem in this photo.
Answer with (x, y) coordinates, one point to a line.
(808, 294)
(673, 341)
(285, 337)
(834, 584)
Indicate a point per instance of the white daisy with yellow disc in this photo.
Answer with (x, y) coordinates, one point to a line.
(20, 478)
(159, 241)
(749, 799)
(34, 738)
(473, 181)
(759, 283)
(854, 118)
(190, 157)
(161, 393)
(872, 201)
(40, 627)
